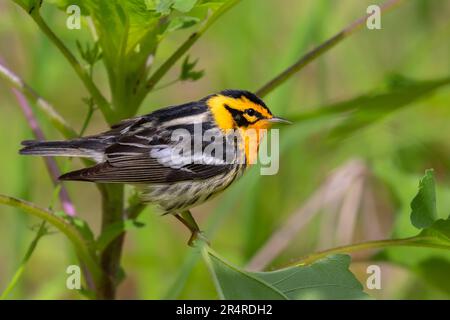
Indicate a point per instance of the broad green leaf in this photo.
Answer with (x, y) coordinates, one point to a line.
(424, 213)
(423, 206)
(234, 283)
(436, 235)
(328, 278)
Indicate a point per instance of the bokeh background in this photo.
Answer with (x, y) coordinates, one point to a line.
(374, 170)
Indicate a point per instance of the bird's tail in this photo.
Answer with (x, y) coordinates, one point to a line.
(88, 148)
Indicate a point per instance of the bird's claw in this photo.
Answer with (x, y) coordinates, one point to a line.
(198, 235)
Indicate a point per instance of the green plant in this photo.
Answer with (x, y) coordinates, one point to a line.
(129, 34)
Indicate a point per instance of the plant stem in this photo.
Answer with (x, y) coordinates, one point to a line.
(42, 231)
(167, 65)
(54, 117)
(81, 246)
(318, 51)
(100, 100)
(416, 241)
(112, 212)
(50, 162)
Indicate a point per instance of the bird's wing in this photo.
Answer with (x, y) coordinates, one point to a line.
(149, 155)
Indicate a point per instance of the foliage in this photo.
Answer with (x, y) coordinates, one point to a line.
(328, 278)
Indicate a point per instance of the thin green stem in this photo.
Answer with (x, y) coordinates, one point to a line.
(47, 109)
(86, 254)
(168, 64)
(42, 231)
(318, 51)
(168, 84)
(88, 118)
(417, 241)
(54, 117)
(100, 100)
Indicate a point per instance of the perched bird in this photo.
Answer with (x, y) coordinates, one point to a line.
(167, 153)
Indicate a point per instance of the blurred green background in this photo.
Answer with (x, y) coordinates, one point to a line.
(248, 46)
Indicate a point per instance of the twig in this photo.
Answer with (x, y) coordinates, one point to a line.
(54, 117)
(82, 247)
(321, 49)
(42, 231)
(50, 162)
(417, 241)
(100, 100)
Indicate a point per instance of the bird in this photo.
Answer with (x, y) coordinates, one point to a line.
(166, 154)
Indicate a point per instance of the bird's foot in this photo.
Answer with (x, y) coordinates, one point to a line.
(198, 236)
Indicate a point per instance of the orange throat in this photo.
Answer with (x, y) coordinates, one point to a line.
(252, 137)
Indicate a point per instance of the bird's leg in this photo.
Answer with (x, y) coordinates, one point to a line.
(188, 220)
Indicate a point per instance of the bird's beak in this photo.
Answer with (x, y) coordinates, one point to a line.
(279, 120)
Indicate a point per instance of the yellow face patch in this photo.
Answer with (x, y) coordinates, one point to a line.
(224, 118)
(256, 123)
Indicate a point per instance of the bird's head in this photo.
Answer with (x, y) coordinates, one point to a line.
(239, 109)
(244, 111)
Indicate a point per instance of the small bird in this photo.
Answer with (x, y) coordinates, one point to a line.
(145, 151)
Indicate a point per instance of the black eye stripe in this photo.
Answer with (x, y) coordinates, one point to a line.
(254, 113)
(239, 117)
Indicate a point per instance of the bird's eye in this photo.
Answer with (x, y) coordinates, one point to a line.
(250, 112)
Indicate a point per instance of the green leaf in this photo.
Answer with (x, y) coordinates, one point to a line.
(64, 4)
(150, 5)
(423, 206)
(84, 229)
(234, 283)
(438, 233)
(72, 233)
(328, 278)
(182, 23)
(164, 6)
(188, 72)
(184, 5)
(90, 54)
